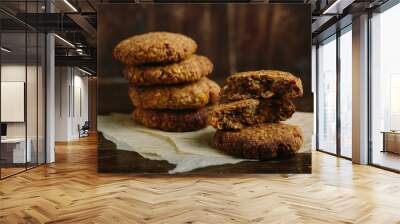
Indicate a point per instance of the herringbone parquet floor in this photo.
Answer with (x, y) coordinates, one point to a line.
(71, 191)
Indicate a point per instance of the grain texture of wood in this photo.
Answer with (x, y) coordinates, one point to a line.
(71, 191)
(235, 37)
(113, 160)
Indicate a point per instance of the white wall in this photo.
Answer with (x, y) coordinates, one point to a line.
(9, 73)
(16, 73)
(33, 127)
(80, 112)
(71, 102)
(62, 81)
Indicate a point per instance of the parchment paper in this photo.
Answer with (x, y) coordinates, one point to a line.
(189, 150)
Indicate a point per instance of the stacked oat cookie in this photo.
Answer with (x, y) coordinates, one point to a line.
(168, 84)
(249, 124)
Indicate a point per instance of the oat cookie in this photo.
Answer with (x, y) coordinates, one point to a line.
(261, 84)
(171, 120)
(175, 97)
(154, 47)
(240, 114)
(214, 92)
(261, 141)
(191, 69)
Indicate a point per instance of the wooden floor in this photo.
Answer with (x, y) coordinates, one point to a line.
(5, 172)
(71, 191)
(386, 159)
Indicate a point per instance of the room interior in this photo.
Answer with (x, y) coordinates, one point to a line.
(22, 101)
(49, 106)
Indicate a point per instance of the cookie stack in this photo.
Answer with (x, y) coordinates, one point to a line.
(168, 84)
(248, 125)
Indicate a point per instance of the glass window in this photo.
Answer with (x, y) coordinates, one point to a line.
(41, 99)
(385, 89)
(346, 93)
(15, 149)
(22, 94)
(326, 96)
(31, 99)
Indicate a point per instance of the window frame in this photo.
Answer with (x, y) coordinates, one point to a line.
(378, 10)
(334, 37)
(27, 29)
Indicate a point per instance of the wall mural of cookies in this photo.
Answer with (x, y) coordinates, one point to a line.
(204, 88)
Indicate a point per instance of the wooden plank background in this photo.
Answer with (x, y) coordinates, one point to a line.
(236, 37)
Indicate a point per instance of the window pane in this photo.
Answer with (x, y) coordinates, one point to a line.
(31, 98)
(15, 150)
(327, 97)
(346, 94)
(385, 81)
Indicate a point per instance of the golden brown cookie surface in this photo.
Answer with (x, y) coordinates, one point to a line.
(261, 84)
(154, 47)
(261, 141)
(240, 114)
(214, 92)
(175, 97)
(168, 120)
(191, 69)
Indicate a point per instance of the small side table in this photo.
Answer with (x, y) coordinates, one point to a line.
(391, 141)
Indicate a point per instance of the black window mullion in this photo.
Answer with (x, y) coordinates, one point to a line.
(317, 96)
(0, 96)
(44, 69)
(26, 88)
(73, 92)
(37, 90)
(369, 77)
(338, 75)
